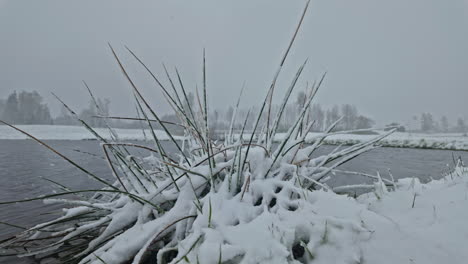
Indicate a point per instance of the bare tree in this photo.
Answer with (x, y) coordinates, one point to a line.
(461, 127)
(32, 110)
(427, 122)
(11, 109)
(332, 115)
(26, 108)
(229, 113)
(444, 124)
(363, 122)
(318, 115)
(350, 114)
(2, 106)
(98, 108)
(65, 118)
(301, 100)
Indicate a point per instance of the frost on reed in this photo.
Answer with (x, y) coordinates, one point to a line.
(248, 199)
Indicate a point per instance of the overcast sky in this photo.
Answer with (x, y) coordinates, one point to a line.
(392, 59)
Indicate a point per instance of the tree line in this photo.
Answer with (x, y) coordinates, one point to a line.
(351, 119)
(430, 124)
(28, 108)
(25, 108)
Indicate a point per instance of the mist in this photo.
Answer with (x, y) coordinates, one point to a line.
(393, 60)
(122, 139)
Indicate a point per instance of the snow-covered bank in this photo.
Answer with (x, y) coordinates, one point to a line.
(449, 141)
(52, 132)
(418, 223)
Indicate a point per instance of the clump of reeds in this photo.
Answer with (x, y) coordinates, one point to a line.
(185, 207)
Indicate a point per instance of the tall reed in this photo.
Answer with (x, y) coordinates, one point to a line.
(168, 212)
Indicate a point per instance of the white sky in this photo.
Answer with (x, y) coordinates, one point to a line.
(392, 59)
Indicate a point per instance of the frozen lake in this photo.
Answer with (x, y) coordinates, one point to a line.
(24, 162)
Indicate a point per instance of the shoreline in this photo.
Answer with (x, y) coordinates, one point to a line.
(446, 141)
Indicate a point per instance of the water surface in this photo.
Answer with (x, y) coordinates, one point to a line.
(24, 164)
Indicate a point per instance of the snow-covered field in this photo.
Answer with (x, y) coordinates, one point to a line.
(49, 132)
(415, 223)
(418, 223)
(434, 231)
(450, 141)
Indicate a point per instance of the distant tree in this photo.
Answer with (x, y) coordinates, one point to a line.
(318, 115)
(26, 108)
(2, 106)
(189, 103)
(350, 114)
(332, 115)
(65, 118)
(98, 108)
(242, 116)
(10, 112)
(213, 122)
(289, 116)
(229, 113)
(436, 126)
(427, 122)
(461, 127)
(444, 124)
(301, 100)
(363, 122)
(32, 110)
(43, 115)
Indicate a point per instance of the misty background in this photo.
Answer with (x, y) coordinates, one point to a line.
(392, 60)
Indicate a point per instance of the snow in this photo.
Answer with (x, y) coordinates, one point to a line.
(55, 132)
(434, 231)
(242, 203)
(380, 227)
(267, 214)
(447, 141)
(450, 141)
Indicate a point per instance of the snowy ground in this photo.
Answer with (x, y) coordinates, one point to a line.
(275, 221)
(451, 141)
(433, 231)
(417, 223)
(49, 132)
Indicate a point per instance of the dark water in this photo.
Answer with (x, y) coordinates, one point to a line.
(24, 162)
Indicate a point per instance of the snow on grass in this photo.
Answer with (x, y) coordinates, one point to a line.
(54, 132)
(245, 201)
(433, 230)
(232, 201)
(379, 227)
(416, 223)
